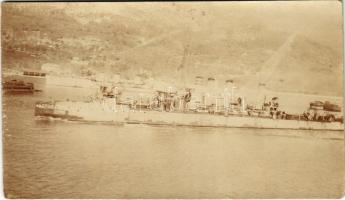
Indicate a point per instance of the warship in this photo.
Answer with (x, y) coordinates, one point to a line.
(167, 108)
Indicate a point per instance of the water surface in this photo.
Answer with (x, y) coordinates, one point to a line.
(57, 159)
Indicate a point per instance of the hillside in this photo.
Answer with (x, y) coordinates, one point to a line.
(143, 39)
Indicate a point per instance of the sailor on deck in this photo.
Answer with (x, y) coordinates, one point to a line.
(186, 99)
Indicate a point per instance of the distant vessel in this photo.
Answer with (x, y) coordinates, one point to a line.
(15, 86)
(42, 79)
(35, 77)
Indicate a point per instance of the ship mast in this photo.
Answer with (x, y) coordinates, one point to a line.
(181, 70)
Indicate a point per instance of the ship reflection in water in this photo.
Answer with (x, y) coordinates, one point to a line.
(49, 159)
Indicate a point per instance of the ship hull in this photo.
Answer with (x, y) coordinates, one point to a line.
(206, 120)
(88, 112)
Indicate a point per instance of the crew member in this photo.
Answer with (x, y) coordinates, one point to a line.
(186, 99)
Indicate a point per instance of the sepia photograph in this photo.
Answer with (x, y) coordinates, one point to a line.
(166, 100)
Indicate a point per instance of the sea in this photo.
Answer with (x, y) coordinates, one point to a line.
(61, 159)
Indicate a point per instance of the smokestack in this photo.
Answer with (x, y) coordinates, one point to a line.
(199, 80)
(229, 83)
(211, 83)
